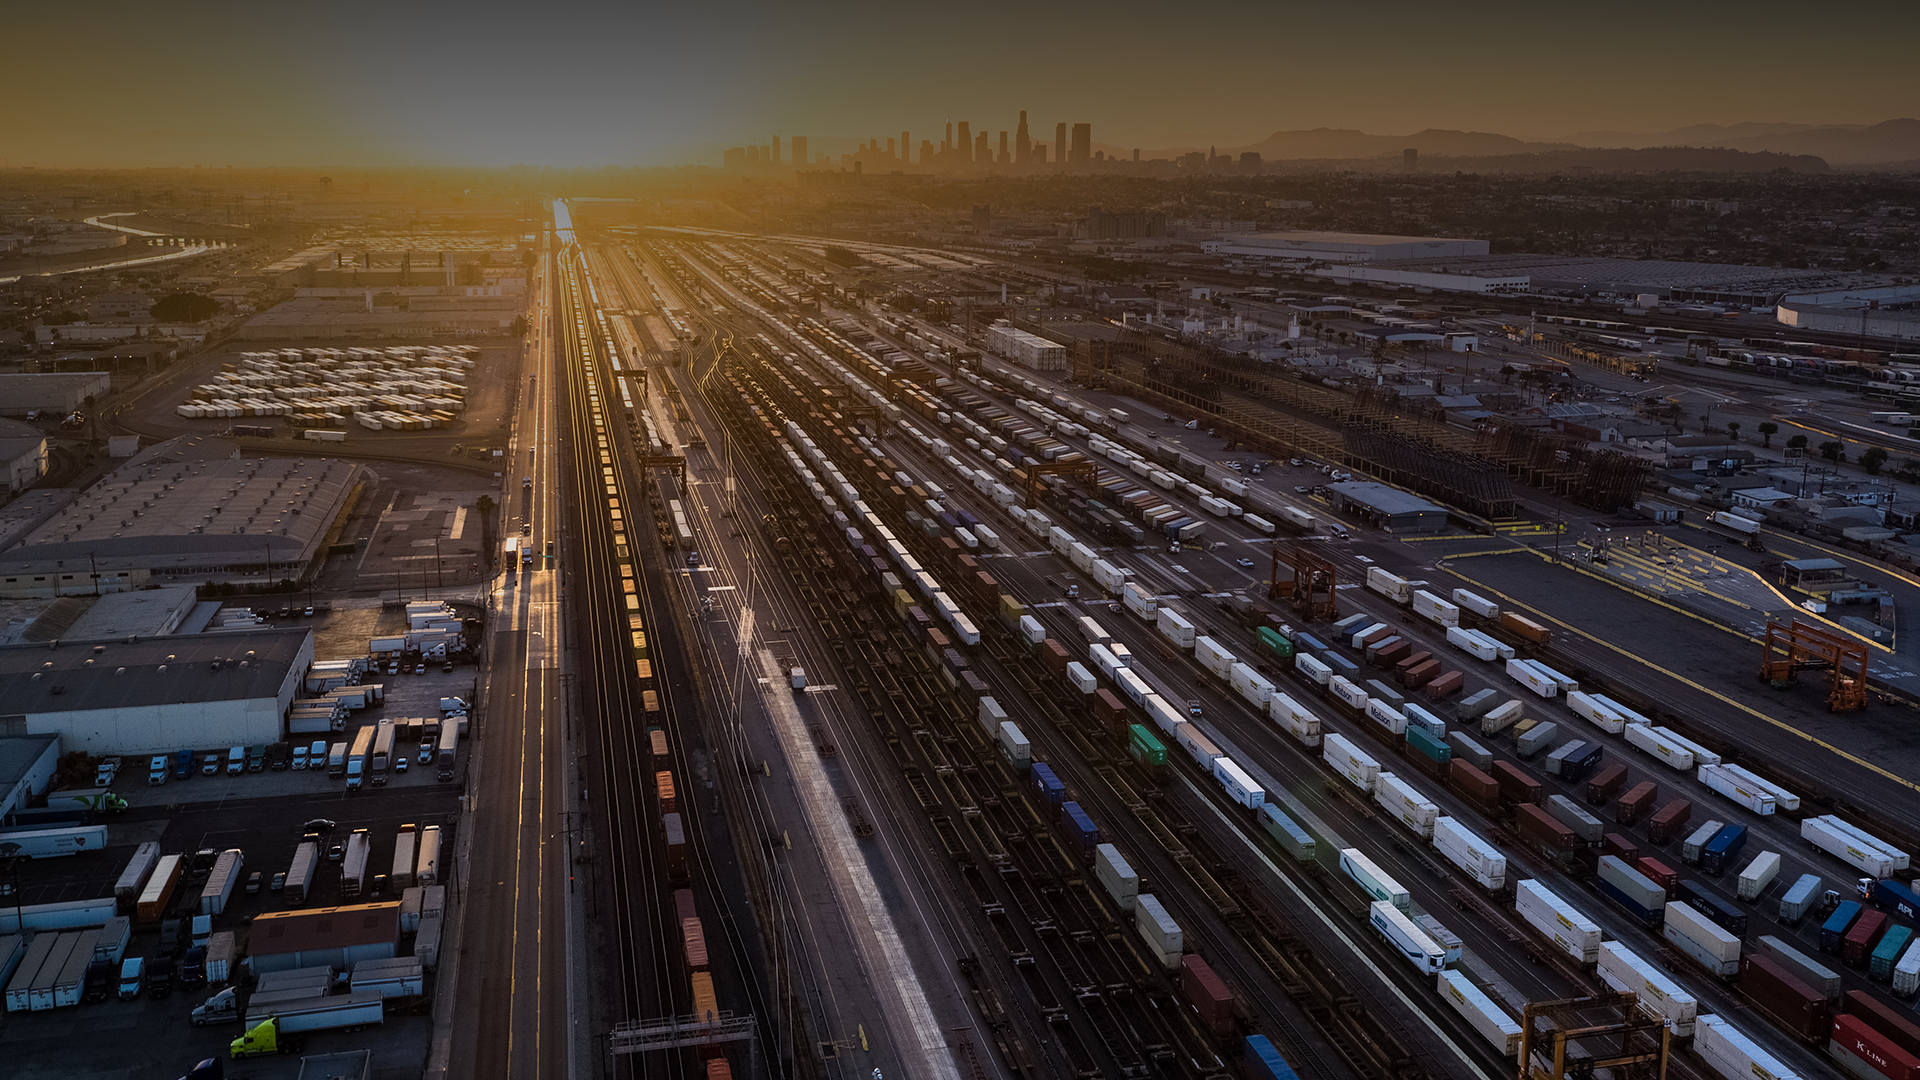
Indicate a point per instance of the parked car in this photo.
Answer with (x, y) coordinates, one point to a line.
(278, 883)
(300, 757)
(426, 753)
(319, 825)
(420, 668)
(253, 883)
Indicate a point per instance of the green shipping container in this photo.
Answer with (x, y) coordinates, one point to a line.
(1424, 743)
(1144, 748)
(1275, 642)
(1892, 946)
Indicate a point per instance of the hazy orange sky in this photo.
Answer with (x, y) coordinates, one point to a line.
(583, 83)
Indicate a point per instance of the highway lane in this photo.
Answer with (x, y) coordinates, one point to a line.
(514, 971)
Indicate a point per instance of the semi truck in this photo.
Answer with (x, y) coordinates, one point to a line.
(353, 868)
(357, 758)
(278, 1032)
(1890, 895)
(306, 858)
(382, 752)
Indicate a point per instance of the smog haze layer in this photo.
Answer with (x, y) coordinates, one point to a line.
(580, 83)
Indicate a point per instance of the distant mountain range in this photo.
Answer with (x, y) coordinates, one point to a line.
(1892, 143)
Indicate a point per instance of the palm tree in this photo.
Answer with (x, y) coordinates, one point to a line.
(1767, 429)
(1733, 430)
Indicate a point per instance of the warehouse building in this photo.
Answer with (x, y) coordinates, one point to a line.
(54, 393)
(154, 695)
(1388, 507)
(1027, 350)
(23, 454)
(336, 937)
(27, 766)
(188, 510)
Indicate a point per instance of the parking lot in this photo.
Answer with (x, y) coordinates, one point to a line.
(264, 814)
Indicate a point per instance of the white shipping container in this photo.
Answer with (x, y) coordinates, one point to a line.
(1402, 933)
(1906, 973)
(1759, 874)
(1733, 1055)
(1315, 671)
(1431, 607)
(1347, 692)
(1373, 880)
(1300, 723)
(991, 715)
(1526, 674)
(1844, 842)
(1240, 786)
(1392, 586)
(1482, 861)
(1141, 601)
(1501, 650)
(1094, 632)
(1213, 657)
(1031, 630)
(1250, 685)
(1150, 918)
(1196, 744)
(1604, 718)
(1683, 919)
(1659, 995)
(1174, 627)
(1645, 737)
(1405, 805)
(1475, 644)
(1701, 755)
(1490, 1020)
(1383, 712)
(1625, 713)
(1081, 678)
(1259, 523)
(1104, 661)
(1108, 576)
(1164, 716)
(1476, 604)
(1116, 876)
(1570, 931)
(1718, 778)
(1346, 759)
(1782, 798)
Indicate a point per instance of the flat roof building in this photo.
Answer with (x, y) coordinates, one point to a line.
(188, 510)
(1388, 507)
(155, 695)
(23, 454)
(337, 937)
(51, 392)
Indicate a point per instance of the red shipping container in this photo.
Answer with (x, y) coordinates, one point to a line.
(1055, 657)
(1444, 684)
(1659, 873)
(1473, 785)
(952, 546)
(1109, 712)
(1420, 674)
(1408, 663)
(1669, 820)
(1621, 845)
(1634, 804)
(1515, 784)
(1204, 990)
(1536, 824)
(1606, 783)
(1883, 1019)
(1863, 936)
(1388, 653)
(967, 563)
(1879, 1052)
(985, 585)
(693, 940)
(1381, 634)
(1789, 1002)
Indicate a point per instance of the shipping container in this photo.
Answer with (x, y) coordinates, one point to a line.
(1483, 862)
(1877, 1055)
(1412, 943)
(1474, 785)
(1524, 628)
(1347, 760)
(1288, 833)
(1712, 906)
(1621, 846)
(1465, 747)
(1817, 976)
(1906, 973)
(1476, 604)
(1585, 705)
(1799, 899)
(1570, 931)
(1667, 821)
(1535, 824)
(1722, 779)
(1263, 1062)
(1488, 1019)
(1082, 834)
(1575, 817)
(1157, 928)
(1759, 874)
(1501, 717)
(1404, 804)
(1433, 608)
(1734, 1056)
(1663, 749)
(1290, 714)
(1606, 783)
(1207, 994)
(1862, 937)
(1659, 996)
(1784, 999)
(1696, 842)
(1516, 785)
(1882, 1018)
(1894, 944)
(1372, 880)
(1701, 940)
(1116, 876)
(1861, 850)
(1632, 890)
(1721, 852)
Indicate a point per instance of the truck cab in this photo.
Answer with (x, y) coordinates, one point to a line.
(183, 765)
(193, 968)
(133, 976)
(157, 770)
(210, 765)
(256, 757)
(218, 1009)
(160, 976)
(99, 984)
(236, 760)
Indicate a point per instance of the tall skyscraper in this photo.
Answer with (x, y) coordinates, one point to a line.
(1022, 145)
(982, 153)
(753, 155)
(926, 151)
(800, 150)
(1002, 159)
(1082, 143)
(946, 144)
(906, 150)
(965, 143)
(1060, 144)
(774, 158)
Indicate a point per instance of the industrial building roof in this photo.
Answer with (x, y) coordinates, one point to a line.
(278, 932)
(77, 676)
(187, 504)
(17, 755)
(143, 613)
(1384, 499)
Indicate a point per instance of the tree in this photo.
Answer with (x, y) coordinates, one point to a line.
(185, 307)
(1733, 430)
(1767, 430)
(519, 326)
(1797, 442)
(1872, 459)
(1834, 451)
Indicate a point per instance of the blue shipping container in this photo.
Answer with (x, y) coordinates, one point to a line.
(1837, 925)
(1308, 641)
(1340, 664)
(1649, 916)
(1265, 1062)
(1722, 849)
(1080, 829)
(1047, 784)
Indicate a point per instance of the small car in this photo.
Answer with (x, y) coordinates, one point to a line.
(446, 668)
(253, 883)
(399, 763)
(526, 481)
(278, 883)
(426, 753)
(336, 852)
(526, 528)
(319, 824)
(1245, 563)
(393, 667)
(420, 669)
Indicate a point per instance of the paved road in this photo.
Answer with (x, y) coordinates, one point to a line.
(513, 1016)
